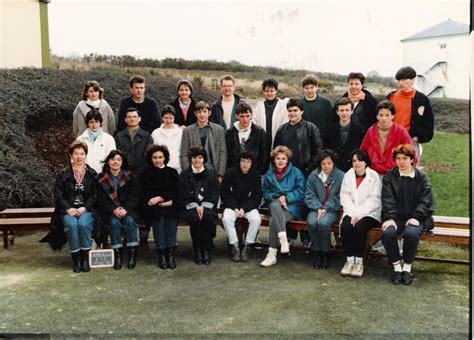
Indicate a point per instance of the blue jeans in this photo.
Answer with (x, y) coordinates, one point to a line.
(116, 231)
(164, 233)
(320, 231)
(79, 231)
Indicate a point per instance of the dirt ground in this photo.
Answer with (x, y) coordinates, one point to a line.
(41, 295)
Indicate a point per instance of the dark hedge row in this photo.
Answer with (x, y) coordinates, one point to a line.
(30, 100)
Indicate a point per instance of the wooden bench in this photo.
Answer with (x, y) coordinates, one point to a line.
(23, 220)
(448, 229)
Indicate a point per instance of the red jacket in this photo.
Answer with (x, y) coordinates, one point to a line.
(382, 162)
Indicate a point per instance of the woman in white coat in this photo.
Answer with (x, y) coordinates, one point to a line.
(169, 134)
(360, 198)
(92, 99)
(99, 143)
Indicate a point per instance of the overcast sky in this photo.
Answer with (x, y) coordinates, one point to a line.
(328, 36)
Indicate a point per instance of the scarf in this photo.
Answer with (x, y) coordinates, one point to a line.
(93, 135)
(105, 180)
(94, 104)
(279, 174)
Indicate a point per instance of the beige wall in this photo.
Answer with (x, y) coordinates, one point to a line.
(20, 33)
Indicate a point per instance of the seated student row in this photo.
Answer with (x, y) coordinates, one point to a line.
(121, 197)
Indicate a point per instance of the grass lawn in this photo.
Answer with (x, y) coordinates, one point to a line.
(446, 161)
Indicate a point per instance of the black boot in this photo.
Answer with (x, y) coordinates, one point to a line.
(317, 259)
(235, 252)
(118, 258)
(85, 260)
(132, 257)
(197, 256)
(161, 259)
(170, 259)
(325, 260)
(76, 260)
(206, 257)
(244, 255)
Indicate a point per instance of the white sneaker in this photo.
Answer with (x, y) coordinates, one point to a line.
(357, 270)
(347, 269)
(284, 245)
(271, 258)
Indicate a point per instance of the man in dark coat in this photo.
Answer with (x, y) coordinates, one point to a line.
(223, 109)
(246, 136)
(133, 142)
(345, 135)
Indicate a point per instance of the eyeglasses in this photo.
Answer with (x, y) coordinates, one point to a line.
(227, 86)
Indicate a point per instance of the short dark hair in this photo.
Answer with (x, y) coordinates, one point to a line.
(77, 144)
(157, 148)
(94, 114)
(168, 109)
(136, 80)
(270, 83)
(406, 149)
(111, 155)
(356, 75)
(325, 153)
(362, 156)
(247, 155)
(344, 101)
(186, 83)
(310, 79)
(197, 151)
(385, 104)
(295, 101)
(95, 85)
(242, 107)
(202, 105)
(132, 109)
(406, 72)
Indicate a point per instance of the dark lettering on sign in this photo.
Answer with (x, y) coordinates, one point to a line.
(101, 258)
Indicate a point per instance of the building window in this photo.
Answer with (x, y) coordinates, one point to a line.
(442, 46)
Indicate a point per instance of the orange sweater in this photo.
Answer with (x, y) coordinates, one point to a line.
(402, 103)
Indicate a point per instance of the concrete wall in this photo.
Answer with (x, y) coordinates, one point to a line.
(21, 34)
(422, 54)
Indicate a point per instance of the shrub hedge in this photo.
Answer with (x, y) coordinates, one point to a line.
(31, 99)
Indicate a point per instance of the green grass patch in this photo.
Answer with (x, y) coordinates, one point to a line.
(446, 161)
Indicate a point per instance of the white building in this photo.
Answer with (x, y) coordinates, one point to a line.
(24, 38)
(441, 56)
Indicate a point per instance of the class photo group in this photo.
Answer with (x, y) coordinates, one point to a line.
(354, 163)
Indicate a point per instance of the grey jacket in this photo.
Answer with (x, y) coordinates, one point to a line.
(216, 142)
(79, 120)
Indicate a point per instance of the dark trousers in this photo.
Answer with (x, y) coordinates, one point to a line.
(410, 244)
(354, 237)
(202, 231)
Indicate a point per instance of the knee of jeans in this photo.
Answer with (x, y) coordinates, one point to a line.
(412, 233)
(227, 218)
(390, 233)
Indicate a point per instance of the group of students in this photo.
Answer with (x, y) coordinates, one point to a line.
(315, 159)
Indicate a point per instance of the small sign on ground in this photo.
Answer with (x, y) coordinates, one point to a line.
(101, 258)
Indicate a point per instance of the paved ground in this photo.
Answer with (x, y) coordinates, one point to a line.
(40, 294)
